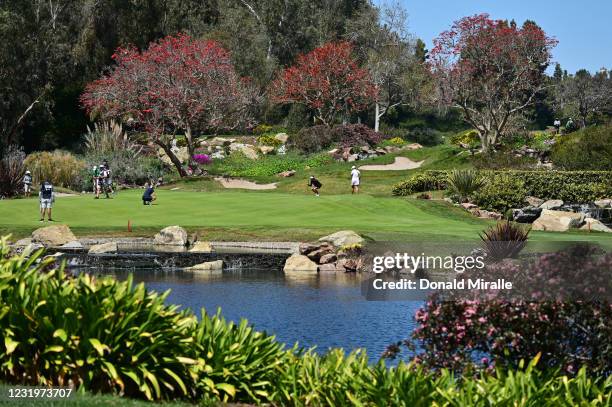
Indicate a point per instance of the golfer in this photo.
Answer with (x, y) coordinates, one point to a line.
(355, 179)
(27, 184)
(95, 177)
(47, 197)
(314, 185)
(149, 194)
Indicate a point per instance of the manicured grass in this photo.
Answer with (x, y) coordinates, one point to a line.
(250, 215)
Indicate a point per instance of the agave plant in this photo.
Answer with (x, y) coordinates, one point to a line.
(464, 183)
(109, 137)
(504, 240)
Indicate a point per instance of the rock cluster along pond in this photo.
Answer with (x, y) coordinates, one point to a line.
(328, 255)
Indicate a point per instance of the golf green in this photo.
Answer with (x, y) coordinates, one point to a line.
(230, 215)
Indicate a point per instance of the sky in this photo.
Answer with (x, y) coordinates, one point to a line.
(583, 28)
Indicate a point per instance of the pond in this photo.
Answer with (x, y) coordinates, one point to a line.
(321, 311)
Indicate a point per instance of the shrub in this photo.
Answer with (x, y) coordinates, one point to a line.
(262, 128)
(514, 185)
(12, 170)
(501, 192)
(468, 137)
(109, 137)
(202, 159)
(425, 136)
(490, 330)
(269, 140)
(504, 240)
(587, 149)
(61, 168)
(421, 182)
(350, 135)
(503, 160)
(464, 183)
(311, 139)
(398, 141)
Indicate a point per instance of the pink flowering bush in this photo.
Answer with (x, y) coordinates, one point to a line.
(202, 159)
(563, 313)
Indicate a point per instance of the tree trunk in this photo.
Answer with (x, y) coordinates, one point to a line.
(173, 158)
(377, 117)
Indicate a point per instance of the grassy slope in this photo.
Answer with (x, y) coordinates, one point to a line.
(232, 215)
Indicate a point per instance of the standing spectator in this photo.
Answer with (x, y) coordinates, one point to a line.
(95, 177)
(557, 124)
(314, 185)
(47, 197)
(355, 180)
(27, 184)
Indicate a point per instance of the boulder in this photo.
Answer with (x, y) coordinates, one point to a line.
(349, 265)
(489, 214)
(109, 247)
(352, 157)
(343, 238)
(201, 247)
(221, 141)
(172, 235)
(552, 204)
(594, 225)
(247, 149)
(55, 235)
(23, 242)
(328, 258)
(266, 149)
(306, 248)
(300, 264)
(413, 146)
(287, 174)
(467, 206)
(216, 265)
(603, 203)
(558, 221)
(180, 152)
(534, 201)
(317, 254)
(526, 215)
(282, 137)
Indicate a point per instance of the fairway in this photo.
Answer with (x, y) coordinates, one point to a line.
(230, 215)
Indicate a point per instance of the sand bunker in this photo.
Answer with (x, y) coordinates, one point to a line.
(243, 184)
(401, 163)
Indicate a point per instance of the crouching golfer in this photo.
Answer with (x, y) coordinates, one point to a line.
(314, 185)
(47, 197)
(355, 180)
(149, 194)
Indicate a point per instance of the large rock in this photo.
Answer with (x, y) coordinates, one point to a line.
(528, 214)
(266, 149)
(182, 153)
(343, 238)
(109, 247)
(298, 263)
(534, 201)
(594, 225)
(413, 146)
(552, 204)
(55, 235)
(330, 268)
(603, 203)
(328, 258)
(558, 221)
(287, 174)
(75, 245)
(172, 235)
(206, 266)
(306, 248)
(201, 247)
(247, 149)
(282, 137)
(317, 254)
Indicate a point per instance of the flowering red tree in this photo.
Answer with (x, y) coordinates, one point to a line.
(491, 70)
(328, 80)
(177, 84)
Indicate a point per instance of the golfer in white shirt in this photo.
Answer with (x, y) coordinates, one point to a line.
(355, 175)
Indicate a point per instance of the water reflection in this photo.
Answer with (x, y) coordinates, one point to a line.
(323, 311)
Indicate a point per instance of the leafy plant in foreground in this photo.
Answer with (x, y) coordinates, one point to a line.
(504, 240)
(464, 183)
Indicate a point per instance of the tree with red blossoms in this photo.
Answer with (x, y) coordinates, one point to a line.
(327, 80)
(177, 84)
(491, 70)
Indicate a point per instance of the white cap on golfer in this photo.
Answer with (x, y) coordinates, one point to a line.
(353, 167)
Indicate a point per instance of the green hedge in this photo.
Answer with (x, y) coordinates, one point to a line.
(515, 185)
(113, 337)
